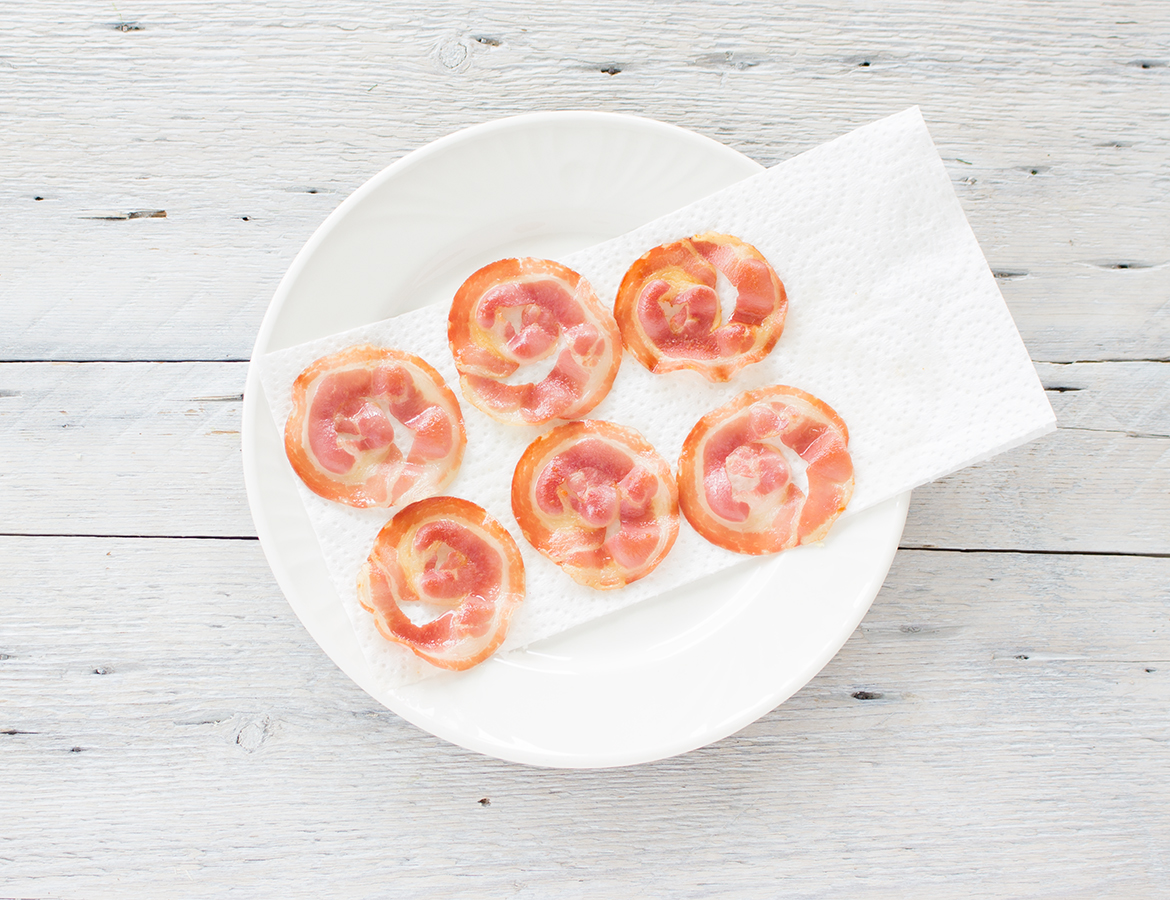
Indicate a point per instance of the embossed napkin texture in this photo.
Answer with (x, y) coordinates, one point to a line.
(894, 320)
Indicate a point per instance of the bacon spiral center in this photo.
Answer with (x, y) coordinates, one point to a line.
(448, 553)
(597, 500)
(374, 427)
(710, 303)
(766, 472)
(532, 342)
(358, 411)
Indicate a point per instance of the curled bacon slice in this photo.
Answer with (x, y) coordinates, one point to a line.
(449, 553)
(767, 471)
(669, 306)
(597, 500)
(532, 342)
(374, 427)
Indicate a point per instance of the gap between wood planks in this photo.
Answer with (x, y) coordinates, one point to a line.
(908, 548)
(1089, 362)
(1035, 552)
(80, 362)
(135, 537)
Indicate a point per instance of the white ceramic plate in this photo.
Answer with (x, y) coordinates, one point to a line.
(661, 677)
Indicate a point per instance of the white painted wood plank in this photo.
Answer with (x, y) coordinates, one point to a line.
(318, 97)
(1072, 491)
(1101, 483)
(1131, 398)
(220, 753)
(128, 448)
(153, 449)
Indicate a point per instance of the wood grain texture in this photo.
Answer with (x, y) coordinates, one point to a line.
(153, 449)
(128, 448)
(1009, 745)
(248, 124)
(997, 726)
(1101, 483)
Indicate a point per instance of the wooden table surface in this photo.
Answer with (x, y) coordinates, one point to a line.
(999, 725)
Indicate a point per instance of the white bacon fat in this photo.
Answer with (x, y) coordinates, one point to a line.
(373, 427)
(450, 555)
(670, 306)
(598, 500)
(766, 472)
(532, 342)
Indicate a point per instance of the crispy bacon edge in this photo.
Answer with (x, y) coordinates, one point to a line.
(449, 641)
(690, 474)
(321, 483)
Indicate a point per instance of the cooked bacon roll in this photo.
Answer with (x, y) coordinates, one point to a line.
(532, 342)
(447, 553)
(766, 472)
(597, 500)
(374, 427)
(670, 306)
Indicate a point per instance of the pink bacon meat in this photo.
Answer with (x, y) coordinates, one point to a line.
(670, 313)
(447, 553)
(766, 472)
(374, 427)
(532, 342)
(598, 500)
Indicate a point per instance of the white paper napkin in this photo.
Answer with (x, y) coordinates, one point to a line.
(894, 320)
